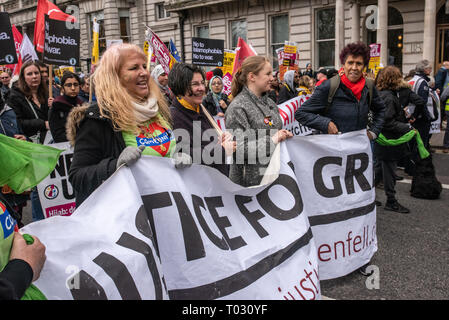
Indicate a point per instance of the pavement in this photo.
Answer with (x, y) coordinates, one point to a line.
(413, 249)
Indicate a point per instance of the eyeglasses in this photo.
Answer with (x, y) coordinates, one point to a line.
(216, 83)
(197, 84)
(4, 78)
(69, 85)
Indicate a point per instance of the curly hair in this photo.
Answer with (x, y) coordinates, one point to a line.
(389, 79)
(356, 49)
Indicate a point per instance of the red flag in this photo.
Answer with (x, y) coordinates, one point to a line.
(15, 68)
(242, 52)
(45, 7)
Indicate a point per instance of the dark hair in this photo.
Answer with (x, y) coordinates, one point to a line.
(356, 49)
(40, 64)
(42, 90)
(69, 75)
(180, 77)
(218, 72)
(252, 64)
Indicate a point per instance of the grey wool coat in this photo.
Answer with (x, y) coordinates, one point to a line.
(254, 147)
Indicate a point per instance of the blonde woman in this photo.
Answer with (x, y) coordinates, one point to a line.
(130, 117)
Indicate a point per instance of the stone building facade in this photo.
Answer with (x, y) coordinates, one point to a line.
(408, 30)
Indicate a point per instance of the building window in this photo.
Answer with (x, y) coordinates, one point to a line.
(237, 30)
(202, 31)
(125, 32)
(102, 35)
(161, 13)
(325, 37)
(279, 34)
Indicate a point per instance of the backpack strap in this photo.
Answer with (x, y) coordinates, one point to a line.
(335, 83)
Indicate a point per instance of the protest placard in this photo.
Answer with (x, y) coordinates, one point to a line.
(61, 43)
(55, 191)
(8, 54)
(207, 52)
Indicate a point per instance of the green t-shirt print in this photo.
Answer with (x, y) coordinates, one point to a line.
(159, 141)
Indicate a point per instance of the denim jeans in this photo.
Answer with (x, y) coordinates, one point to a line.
(36, 208)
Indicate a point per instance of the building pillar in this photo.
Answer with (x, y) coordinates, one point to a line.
(430, 13)
(111, 20)
(339, 29)
(382, 30)
(355, 21)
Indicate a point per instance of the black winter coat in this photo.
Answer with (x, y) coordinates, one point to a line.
(209, 103)
(26, 119)
(394, 127)
(286, 94)
(184, 119)
(97, 148)
(57, 116)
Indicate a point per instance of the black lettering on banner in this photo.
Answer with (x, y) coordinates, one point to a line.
(352, 172)
(223, 222)
(192, 239)
(341, 215)
(272, 209)
(118, 272)
(68, 161)
(253, 216)
(318, 177)
(89, 288)
(65, 190)
(144, 227)
(135, 244)
(153, 201)
(242, 279)
(60, 168)
(219, 242)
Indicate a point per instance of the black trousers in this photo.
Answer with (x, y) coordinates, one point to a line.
(386, 171)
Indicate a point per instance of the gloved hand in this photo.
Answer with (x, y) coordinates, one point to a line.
(129, 155)
(182, 160)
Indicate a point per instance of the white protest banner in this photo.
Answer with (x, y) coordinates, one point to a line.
(55, 191)
(27, 51)
(215, 239)
(335, 176)
(287, 112)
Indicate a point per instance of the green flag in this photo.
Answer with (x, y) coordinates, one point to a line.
(24, 164)
(423, 153)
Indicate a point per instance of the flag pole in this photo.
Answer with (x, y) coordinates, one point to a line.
(50, 81)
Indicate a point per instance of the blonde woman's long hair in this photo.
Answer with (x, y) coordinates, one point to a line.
(114, 101)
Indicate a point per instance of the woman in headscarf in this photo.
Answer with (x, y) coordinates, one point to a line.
(288, 88)
(216, 101)
(130, 118)
(161, 77)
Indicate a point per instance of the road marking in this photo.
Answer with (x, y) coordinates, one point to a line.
(445, 186)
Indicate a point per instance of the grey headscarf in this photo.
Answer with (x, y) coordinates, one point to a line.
(289, 78)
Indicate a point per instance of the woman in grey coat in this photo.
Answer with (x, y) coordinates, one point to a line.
(254, 120)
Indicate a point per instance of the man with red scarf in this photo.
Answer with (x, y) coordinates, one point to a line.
(351, 103)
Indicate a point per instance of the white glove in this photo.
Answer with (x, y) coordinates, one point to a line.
(129, 155)
(182, 160)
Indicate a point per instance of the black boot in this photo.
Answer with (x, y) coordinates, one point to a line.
(396, 207)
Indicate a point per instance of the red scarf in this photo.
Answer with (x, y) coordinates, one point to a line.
(356, 87)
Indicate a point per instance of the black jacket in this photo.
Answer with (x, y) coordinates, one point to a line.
(394, 127)
(348, 113)
(209, 103)
(286, 93)
(26, 119)
(407, 96)
(184, 119)
(57, 116)
(96, 150)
